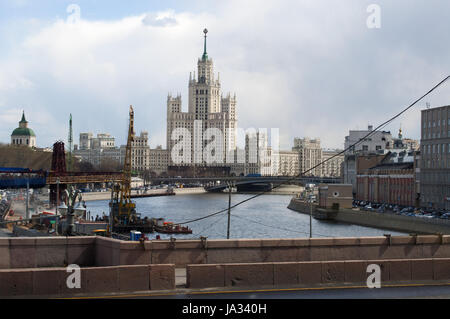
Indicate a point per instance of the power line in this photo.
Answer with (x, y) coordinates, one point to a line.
(281, 228)
(326, 160)
(210, 225)
(200, 218)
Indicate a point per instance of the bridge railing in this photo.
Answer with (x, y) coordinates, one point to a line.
(20, 182)
(11, 177)
(312, 179)
(14, 177)
(82, 178)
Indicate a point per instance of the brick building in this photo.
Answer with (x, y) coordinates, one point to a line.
(392, 181)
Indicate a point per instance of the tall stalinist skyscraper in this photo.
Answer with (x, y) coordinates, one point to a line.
(207, 109)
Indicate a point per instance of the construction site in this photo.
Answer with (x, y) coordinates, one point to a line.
(46, 200)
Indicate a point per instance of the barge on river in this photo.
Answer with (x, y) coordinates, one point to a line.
(161, 226)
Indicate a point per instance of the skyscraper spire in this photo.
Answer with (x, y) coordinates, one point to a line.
(205, 55)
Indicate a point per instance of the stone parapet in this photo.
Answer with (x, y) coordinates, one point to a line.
(26, 252)
(314, 273)
(53, 281)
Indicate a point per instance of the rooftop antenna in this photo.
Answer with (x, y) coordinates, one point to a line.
(69, 162)
(428, 105)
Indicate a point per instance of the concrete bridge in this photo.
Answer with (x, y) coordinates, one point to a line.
(218, 184)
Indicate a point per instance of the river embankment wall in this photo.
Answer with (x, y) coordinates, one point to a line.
(408, 224)
(92, 251)
(91, 196)
(315, 273)
(282, 190)
(115, 279)
(37, 265)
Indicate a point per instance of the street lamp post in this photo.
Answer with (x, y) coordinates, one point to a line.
(310, 219)
(57, 196)
(27, 199)
(57, 204)
(310, 213)
(229, 209)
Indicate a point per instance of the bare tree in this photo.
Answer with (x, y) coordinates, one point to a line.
(109, 165)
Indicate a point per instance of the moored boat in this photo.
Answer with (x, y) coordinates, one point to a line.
(171, 228)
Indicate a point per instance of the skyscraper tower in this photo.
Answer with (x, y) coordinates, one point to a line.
(206, 109)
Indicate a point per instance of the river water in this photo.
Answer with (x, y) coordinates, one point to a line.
(266, 216)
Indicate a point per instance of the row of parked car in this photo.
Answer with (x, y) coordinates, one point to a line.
(401, 210)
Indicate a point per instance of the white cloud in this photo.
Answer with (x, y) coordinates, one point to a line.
(310, 68)
(160, 19)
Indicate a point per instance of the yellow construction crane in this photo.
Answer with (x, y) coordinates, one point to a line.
(123, 215)
(126, 206)
(122, 208)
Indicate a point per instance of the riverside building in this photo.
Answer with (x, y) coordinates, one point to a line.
(310, 155)
(94, 150)
(435, 158)
(369, 151)
(332, 167)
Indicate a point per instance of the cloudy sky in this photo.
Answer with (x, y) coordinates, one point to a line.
(308, 67)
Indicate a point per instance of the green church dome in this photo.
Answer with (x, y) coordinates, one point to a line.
(23, 131)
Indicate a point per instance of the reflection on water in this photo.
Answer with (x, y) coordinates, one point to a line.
(264, 217)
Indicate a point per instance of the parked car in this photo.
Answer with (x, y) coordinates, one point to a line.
(380, 209)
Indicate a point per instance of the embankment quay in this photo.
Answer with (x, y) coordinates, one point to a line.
(90, 196)
(389, 221)
(282, 190)
(32, 267)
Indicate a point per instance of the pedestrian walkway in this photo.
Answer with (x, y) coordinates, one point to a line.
(180, 277)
